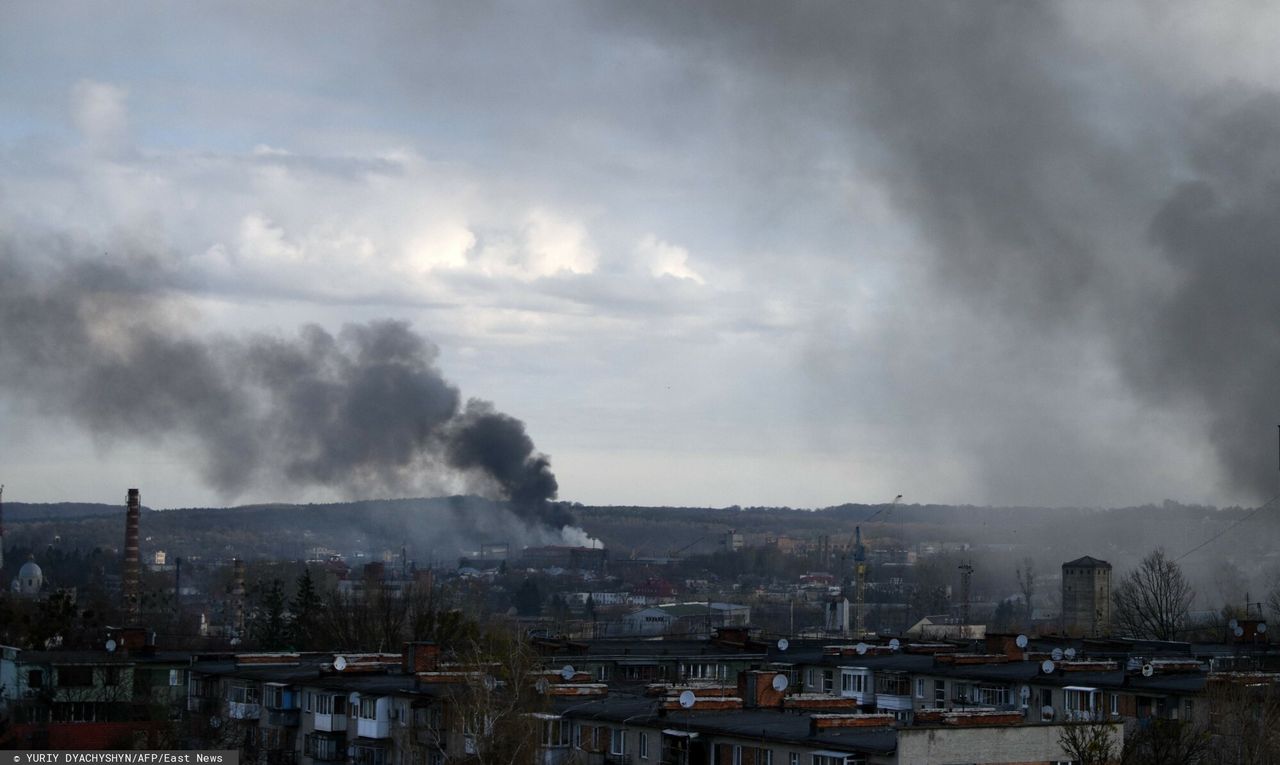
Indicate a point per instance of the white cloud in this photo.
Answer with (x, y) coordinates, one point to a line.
(100, 114)
(664, 259)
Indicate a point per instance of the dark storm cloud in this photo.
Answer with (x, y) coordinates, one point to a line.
(1033, 167)
(101, 340)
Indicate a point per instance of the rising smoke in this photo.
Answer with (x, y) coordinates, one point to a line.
(1067, 187)
(106, 342)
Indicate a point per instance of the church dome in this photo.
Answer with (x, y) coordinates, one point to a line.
(30, 578)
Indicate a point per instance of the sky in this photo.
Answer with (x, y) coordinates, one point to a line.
(709, 253)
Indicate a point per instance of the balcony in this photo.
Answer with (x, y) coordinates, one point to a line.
(283, 718)
(330, 723)
(243, 711)
(373, 728)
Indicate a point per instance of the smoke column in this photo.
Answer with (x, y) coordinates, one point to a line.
(1070, 189)
(104, 341)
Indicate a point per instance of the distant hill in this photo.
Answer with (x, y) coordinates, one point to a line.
(30, 511)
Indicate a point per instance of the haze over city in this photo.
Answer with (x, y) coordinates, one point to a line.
(744, 254)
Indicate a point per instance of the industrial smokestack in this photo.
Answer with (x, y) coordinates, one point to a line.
(130, 573)
(237, 597)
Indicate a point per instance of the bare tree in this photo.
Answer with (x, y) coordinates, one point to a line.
(1152, 601)
(1089, 743)
(1245, 715)
(1027, 584)
(497, 710)
(1169, 742)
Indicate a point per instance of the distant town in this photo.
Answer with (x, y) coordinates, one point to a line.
(665, 635)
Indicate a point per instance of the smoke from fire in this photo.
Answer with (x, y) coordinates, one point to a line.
(106, 342)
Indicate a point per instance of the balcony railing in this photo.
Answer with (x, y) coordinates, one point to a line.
(237, 710)
(283, 718)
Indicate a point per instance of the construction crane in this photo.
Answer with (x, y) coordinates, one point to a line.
(860, 570)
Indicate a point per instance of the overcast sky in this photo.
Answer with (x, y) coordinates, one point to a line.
(738, 253)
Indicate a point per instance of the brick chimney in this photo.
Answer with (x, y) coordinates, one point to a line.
(130, 572)
(237, 597)
(421, 656)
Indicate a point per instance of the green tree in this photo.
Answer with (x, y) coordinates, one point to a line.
(271, 627)
(306, 607)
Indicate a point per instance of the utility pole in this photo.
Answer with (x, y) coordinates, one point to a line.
(966, 575)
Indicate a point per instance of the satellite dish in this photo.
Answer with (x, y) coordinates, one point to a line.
(1148, 670)
(895, 644)
(542, 685)
(353, 698)
(861, 648)
(1056, 654)
(567, 672)
(780, 683)
(1046, 712)
(687, 699)
(1070, 653)
(783, 644)
(340, 663)
(1025, 692)
(1047, 667)
(1021, 641)
(1239, 631)
(1262, 628)
(1233, 624)
(111, 646)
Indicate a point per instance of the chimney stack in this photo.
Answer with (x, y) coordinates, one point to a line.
(237, 597)
(129, 576)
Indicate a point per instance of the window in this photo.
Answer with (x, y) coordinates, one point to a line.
(1115, 704)
(242, 694)
(823, 759)
(644, 746)
(368, 708)
(920, 688)
(577, 736)
(808, 678)
(307, 698)
(175, 678)
(555, 733)
(369, 755)
(991, 695)
(939, 694)
(324, 748)
(828, 681)
(74, 677)
(702, 671)
(327, 704)
(602, 673)
(1187, 709)
(794, 759)
(35, 678)
(737, 755)
(617, 741)
(892, 684)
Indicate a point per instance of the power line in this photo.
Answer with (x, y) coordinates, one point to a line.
(1214, 538)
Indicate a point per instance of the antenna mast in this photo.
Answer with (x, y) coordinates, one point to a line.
(966, 576)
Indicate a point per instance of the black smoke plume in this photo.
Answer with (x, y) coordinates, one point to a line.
(107, 342)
